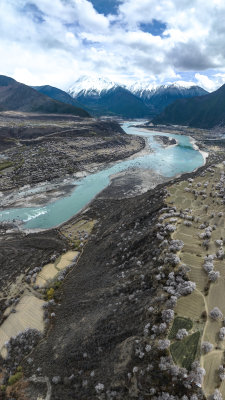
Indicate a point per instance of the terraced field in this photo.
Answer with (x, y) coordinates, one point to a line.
(50, 271)
(201, 201)
(33, 288)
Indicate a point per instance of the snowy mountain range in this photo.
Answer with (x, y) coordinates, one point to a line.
(104, 97)
(159, 97)
(148, 89)
(100, 95)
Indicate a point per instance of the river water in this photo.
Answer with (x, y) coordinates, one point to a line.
(166, 161)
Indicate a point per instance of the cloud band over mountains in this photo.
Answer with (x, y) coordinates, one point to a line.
(160, 40)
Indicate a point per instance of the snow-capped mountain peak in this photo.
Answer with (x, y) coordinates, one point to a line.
(142, 86)
(179, 84)
(93, 85)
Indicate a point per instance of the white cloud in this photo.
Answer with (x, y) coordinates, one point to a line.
(210, 84)
(55, 42)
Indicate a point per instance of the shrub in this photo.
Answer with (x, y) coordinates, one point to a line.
(221, 372)
(222, 333)
(15, 378)
(50, 294)
(57, 284)
(77, 244)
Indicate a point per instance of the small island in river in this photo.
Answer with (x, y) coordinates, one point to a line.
(165, 141)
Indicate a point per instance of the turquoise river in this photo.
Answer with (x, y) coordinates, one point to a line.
(168, 162)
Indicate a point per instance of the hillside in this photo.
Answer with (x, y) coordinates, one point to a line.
(57, 94)
(15, 96)
(200, 112)
(117, 101)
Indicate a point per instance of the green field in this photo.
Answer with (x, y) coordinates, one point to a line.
(180, 323)
(184, 352)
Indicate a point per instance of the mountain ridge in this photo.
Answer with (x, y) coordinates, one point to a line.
(89, 90)
(15, 96)
(204, 112)
(160, 97)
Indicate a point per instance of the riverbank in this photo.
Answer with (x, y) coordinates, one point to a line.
(166, 141)
(52, 150)
(46, 192)
(198, 137)
(131, 183)
(204, 154)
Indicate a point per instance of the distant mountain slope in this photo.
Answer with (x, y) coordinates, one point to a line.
(104, 97)
(200, 112)
(19, 97)
(57, 94)
(159, 97)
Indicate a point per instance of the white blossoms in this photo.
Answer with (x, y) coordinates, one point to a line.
(181, 334)
(206, 347)
(163, 344)
(216, 314)
(99, 387)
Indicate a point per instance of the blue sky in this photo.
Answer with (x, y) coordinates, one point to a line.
(155, 41)
(106, 6)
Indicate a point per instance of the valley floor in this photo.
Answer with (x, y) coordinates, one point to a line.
(110, 292)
